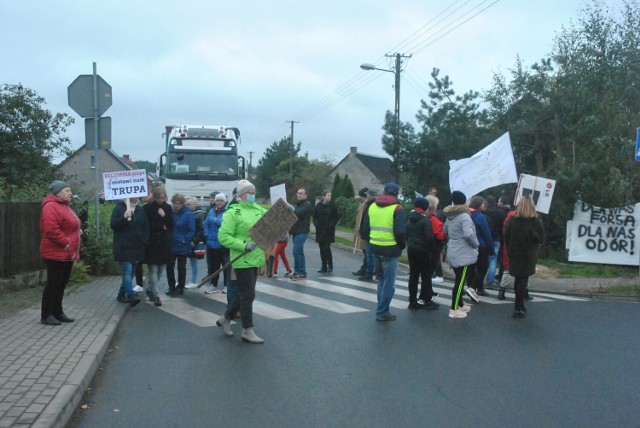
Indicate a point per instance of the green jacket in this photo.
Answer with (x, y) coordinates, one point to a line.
(233, 234)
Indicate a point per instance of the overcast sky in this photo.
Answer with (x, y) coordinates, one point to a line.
(257, 64)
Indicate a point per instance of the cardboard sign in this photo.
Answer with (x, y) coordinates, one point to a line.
(275, 223)
(540, 189)
(125, 184)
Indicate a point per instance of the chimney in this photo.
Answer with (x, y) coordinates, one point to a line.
(353, 151)
(126, 157)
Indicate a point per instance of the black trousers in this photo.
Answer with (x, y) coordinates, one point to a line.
(325, 255)
(58, 274)
(216, 258)
(480, 269)
(520, 284)
(421, 267)
(458, 285)
(182, 271)
(243, 301)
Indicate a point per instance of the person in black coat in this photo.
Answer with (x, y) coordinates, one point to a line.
(421, 246)
(325, 219)
(523, 234)
(130, 238)
(160, 218)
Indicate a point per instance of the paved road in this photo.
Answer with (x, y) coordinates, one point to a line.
(327, 362)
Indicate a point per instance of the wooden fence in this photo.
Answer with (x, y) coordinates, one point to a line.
(19, 238)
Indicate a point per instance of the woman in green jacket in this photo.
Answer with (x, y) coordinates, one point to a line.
(523, 234)
(233, 234)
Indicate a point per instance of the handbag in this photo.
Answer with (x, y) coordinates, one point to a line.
(199, 251)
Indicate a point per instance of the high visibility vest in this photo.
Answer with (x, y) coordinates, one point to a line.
(381, 225)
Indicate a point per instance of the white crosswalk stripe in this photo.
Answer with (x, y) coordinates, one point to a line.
(363, 292)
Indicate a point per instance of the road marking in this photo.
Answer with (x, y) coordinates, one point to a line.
(318, 302)
(362, 295)
(261, 308)
(182, 309)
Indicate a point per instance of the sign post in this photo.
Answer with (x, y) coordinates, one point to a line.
(638, 145)
(90, 96)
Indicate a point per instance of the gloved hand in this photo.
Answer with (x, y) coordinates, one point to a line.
(251, 246)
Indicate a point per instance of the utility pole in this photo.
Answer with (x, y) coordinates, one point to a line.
(291, 154)
(396, 141)
(250, 159)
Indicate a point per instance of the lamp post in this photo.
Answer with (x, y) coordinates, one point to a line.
(396, 140)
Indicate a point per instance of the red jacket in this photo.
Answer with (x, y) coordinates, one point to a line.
(59, 230)
(437, 227)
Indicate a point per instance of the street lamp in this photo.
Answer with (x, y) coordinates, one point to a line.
(396, 140)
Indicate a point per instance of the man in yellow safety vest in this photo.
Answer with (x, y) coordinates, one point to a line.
(384, 226)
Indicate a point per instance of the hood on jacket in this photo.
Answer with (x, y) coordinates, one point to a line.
(454, 210)
(386, 200)
(414, 216)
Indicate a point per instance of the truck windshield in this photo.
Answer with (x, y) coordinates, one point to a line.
(202, 165)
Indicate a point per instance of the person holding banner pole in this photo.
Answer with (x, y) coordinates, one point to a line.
(523, 234)
(234, 234)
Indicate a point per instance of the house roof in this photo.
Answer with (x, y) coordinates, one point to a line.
(380, 167)
(129, 165)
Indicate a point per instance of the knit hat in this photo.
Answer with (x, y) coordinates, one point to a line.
(363, 192)
(245, 186)
(221, 197)
(57, 186)
(458, 198)
(372, 192)
(421, 203)
(391, 188)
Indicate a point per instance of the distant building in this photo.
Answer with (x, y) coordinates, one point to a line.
(363, 170)
(79, 169)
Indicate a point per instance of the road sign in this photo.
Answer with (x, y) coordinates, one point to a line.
(104, 133)
(80, 95)
(638, 145)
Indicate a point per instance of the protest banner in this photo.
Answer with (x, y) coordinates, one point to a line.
(540, 189)
(604, 235)
(491, 166)
(277, 192)
(125, 184)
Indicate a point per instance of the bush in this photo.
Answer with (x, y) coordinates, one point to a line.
(348, 208)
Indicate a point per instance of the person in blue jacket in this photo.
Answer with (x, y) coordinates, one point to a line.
(180, 245)
(486, 249)
(217, 255)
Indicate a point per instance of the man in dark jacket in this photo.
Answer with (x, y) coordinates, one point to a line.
(421, 247)
(371, 195)
(384, 229)
(496, 218)
(130, 237)
(299, 233)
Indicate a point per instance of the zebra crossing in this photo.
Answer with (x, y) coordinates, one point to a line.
(361, 294)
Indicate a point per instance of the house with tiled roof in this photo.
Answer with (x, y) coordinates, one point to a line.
(363, 170)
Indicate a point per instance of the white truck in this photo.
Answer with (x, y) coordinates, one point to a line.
(200, 159)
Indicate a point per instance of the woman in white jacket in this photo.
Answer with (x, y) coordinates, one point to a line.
(462, 249)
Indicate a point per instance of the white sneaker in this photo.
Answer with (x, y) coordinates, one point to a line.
(275, 275)
(137, 289)
(210, 289)
(437, 279)
(465, 308)
(224, 290)
(457, 314)
(472, 294)
(191, 285)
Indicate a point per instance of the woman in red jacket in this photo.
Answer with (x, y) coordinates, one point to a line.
(60, 231)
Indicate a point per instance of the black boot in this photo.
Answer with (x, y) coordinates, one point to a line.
(501, 293)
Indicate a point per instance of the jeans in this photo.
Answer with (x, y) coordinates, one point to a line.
(126, 287)
(155, 272)
(493, 262)
(298, 253)
(386, 282)
(194, 269)
(371, 261)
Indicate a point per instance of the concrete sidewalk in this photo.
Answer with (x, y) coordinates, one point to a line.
(44, 370)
